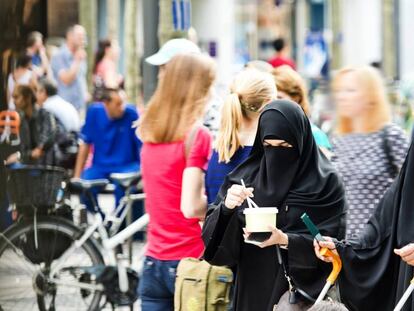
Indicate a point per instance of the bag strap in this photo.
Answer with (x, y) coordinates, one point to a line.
(388, 152)
(189, 141)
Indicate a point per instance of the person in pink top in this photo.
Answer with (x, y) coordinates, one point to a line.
(174, 157)
(281, 58)
(105, 70)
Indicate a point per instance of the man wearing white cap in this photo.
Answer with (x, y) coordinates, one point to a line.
(172, 48)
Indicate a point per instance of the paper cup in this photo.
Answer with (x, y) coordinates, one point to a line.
(259, 219)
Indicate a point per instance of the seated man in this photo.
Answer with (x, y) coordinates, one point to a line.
(48, 99)
(108, 130)
(68, 123)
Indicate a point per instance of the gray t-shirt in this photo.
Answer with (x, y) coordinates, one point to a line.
(75, 92)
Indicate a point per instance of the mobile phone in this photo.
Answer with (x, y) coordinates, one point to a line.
(257, 238)
(312, 227)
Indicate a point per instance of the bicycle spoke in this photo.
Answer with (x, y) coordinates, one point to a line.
(20, 254)
(17, 292)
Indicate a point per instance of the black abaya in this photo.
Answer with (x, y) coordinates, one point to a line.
(296, 180)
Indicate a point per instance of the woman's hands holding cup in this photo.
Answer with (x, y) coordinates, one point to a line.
(236, 195)
(329, 244)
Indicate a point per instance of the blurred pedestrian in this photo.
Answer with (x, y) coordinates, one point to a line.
(64, 112)
(250, 92)
(174, 157)
(105, 73)
(281, 57)
(38, 130)
(67, 120)
(22, 74)
(174, 47)
(36, 49)
(291, 86)
(69, 67)
(368, 149)
(109, 135)
(377, 265)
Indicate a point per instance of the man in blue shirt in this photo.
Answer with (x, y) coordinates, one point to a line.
(108, 130)
(69, 68)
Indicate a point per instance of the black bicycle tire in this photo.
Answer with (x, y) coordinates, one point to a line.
(91, 246)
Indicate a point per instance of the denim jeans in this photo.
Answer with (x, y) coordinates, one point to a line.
(156, 287)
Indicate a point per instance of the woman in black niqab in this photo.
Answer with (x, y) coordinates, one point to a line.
(373, 277)
(295, 177)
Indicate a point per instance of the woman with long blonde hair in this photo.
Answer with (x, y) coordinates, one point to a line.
(250, 92)
(173, 159)
(368, 149)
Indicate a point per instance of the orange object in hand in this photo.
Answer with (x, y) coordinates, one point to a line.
(336, 263)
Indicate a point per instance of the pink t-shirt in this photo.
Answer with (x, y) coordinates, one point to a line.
(104, 66)
(171, 236)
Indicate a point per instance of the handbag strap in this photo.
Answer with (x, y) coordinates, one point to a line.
(282, 263)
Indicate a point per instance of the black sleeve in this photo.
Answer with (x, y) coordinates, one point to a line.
(306, 270)
(222, 234)
(47, 129)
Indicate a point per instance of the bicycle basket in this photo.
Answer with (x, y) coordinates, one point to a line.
(34, 185)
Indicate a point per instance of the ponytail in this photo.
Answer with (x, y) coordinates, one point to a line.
(251, 89)
(228, 140)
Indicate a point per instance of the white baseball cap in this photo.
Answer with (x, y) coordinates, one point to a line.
(170, 49)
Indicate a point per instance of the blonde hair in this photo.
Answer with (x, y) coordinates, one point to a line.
(372, 83)
(179, 100)
(251, 89)
(290, 82)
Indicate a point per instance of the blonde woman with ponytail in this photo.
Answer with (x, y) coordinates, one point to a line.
(250, 92)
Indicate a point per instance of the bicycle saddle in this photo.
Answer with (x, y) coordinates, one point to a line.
(126, 179)
(83, 184)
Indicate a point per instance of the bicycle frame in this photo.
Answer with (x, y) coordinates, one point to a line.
(108, 243)
(122, 209)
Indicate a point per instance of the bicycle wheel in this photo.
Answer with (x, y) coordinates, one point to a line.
(25, 261)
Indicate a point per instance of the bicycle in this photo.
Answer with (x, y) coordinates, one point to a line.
(73, 269)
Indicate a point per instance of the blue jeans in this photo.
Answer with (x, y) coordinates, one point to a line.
(156, 287)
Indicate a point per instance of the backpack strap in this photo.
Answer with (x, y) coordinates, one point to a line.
(388, 152)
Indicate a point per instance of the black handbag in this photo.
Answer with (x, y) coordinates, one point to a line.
(66, 149)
